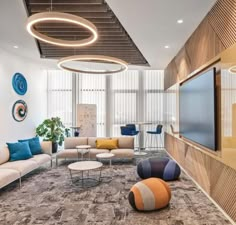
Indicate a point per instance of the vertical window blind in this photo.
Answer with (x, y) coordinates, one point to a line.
(92, 90)
(127, 97)
(60, 96)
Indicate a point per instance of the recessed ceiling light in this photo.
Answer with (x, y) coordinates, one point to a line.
(15, 46)
(180, 21)
(167, 46)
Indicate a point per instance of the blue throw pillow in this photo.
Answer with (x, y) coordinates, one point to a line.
(19, 151)
(34, 145)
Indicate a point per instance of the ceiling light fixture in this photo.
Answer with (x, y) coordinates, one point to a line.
(167, 46)
(180, 21)
(61, 17)
(15, 46)
(232, 69)
(100, 58)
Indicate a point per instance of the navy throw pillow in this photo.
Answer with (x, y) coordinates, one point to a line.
(19, 151)
(34, 145)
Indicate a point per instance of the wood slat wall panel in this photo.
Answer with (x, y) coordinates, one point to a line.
(217, 179)
(215, 33)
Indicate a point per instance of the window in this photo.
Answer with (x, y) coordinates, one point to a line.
(92, 90)
(60, 96)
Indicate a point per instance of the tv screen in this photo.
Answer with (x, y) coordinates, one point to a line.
(198, 109)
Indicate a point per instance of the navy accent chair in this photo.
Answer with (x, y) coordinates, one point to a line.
(133, 128)
(129, 130)
(156, 133)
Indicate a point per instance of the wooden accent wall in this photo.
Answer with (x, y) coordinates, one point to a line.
(217, 179)
(215, 33)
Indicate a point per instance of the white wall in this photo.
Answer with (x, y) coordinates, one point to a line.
(35, 97)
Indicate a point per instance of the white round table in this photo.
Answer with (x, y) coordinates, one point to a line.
(105, 156)
(85, 166)
(83, 149)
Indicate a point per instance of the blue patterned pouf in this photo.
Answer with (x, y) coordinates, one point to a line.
(164, 168)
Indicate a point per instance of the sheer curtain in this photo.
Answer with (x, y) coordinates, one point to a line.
(60, 95)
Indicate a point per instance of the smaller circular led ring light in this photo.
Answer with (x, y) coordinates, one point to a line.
(63, 17)
(232, 69)
(102, 58)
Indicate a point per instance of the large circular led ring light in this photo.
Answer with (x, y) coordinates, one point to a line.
(232, 70)
(99, 58)
(61, 17)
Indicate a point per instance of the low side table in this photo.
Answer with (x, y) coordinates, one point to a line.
(84, 166)
(105, 156)
(83, 149)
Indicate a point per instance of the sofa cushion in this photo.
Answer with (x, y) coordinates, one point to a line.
(107, 144)
(67, 153)
(41, 158)
(34, 145)
(4, 155)
(125, 142)
(7, 176)
(19, 151)
(123, 153)
(72, 142)
(92, 140)
(95, 151)
(23, 166)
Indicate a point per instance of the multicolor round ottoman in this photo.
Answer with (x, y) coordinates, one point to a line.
(150, 194)
(164, 168)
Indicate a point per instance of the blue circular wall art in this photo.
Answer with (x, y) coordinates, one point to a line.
(19, 110)
(19, 83)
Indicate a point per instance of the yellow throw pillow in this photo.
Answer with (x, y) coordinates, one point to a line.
(107, 144)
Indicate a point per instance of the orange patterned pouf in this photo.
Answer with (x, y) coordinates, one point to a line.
(150, 194)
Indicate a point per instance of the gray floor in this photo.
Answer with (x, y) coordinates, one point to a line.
(47, 197)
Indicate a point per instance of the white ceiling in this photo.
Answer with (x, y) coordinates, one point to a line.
(150, 23)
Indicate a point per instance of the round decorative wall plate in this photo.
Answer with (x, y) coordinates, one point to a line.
(19, 110)
(19, 83)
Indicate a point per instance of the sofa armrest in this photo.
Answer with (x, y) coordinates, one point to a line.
(46, 147)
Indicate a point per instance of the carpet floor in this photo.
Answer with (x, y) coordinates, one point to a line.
(47, 197)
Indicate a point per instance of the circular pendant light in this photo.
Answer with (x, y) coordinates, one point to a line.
(232, 69)
(100, 58)
(61, 17)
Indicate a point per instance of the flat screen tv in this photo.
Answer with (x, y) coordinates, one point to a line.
(198, 109)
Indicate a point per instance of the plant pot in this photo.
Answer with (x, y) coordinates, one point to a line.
(54, 147)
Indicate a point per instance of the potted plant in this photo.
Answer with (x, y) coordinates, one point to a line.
(53, 130)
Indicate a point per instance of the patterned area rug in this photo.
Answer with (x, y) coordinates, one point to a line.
(47, 197)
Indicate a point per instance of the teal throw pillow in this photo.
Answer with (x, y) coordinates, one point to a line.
(34, 145)
(19, 151)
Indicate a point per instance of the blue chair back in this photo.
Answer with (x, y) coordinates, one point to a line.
(125, 130)
(159, 129)
(131, 126)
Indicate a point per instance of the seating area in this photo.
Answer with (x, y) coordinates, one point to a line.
(117, 112)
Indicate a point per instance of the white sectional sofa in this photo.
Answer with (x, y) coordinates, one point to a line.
(125, 148)
(11, 171)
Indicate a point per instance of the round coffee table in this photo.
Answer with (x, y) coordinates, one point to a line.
(105, 156)
(83, 149)
(84, 166)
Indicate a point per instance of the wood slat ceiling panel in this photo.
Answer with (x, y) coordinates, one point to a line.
(113, 39)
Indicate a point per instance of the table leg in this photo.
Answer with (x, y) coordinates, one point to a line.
(82, 179)
(78, 154)
(71, 176)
